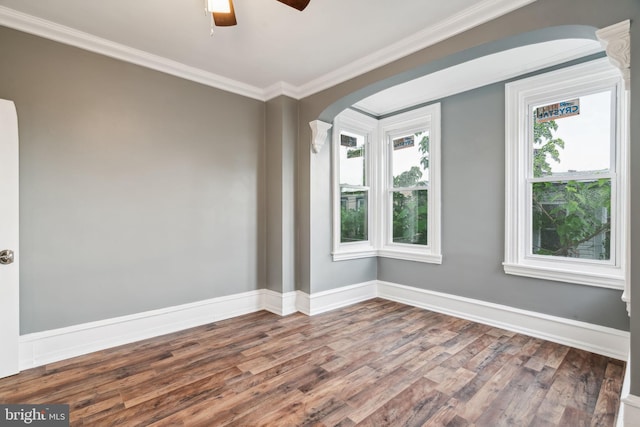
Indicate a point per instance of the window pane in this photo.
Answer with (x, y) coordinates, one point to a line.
(572, 219)
(574, 143)
(410, 217)
(352, 159)
(410, 160)
(353, 215)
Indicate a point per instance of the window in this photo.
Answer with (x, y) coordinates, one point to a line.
(353, 163)
(387, 175)
(354, 188)
(566, 155)
(411, 191)
(407, 186)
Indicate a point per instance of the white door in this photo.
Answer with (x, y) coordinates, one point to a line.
(9, 271)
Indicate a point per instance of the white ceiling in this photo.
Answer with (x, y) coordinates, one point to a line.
(476, 73)
(273, 50)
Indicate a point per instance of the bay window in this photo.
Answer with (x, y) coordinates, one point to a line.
(386, 173)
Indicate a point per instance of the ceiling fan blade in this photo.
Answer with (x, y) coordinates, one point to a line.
(222, 19)
(296, 4)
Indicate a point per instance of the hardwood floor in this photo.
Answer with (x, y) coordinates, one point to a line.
(377, 363)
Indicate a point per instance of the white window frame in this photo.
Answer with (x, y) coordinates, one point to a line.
(354, 122)
(377, 132)
(520, 97)
(422, 118)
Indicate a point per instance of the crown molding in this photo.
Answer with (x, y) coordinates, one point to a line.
(480, 13)
(60, 33)
(281, 89)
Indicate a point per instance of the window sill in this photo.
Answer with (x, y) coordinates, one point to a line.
(418, 256)
(388, 253)
(348, 255)
(612, 279)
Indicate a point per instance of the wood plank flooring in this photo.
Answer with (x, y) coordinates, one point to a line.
(376, 363)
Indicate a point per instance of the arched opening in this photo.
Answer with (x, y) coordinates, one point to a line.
(481, 65)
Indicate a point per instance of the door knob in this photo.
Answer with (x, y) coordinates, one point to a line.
(6, 257)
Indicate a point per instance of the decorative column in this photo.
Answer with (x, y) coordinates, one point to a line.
(616, 40)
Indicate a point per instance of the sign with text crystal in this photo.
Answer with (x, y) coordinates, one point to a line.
(404, 142)
(558, 111)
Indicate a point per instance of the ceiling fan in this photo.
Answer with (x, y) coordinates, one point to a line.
(224, 15)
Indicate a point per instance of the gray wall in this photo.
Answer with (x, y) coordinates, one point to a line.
(315, 269)
(473, 182)
(326, 274)
(281, 138)
(138, 190)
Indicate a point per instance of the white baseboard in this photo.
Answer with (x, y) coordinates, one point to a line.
(303, 303)
(41, 348)
(50, 346)
(586, 336)
(280, 304)
(626, 386)
(630, 411)
(54, 345)
(341, 297)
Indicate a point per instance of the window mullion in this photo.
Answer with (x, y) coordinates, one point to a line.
(576, 177)
(421, 187)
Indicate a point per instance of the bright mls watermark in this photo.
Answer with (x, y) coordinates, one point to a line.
(34, 415)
